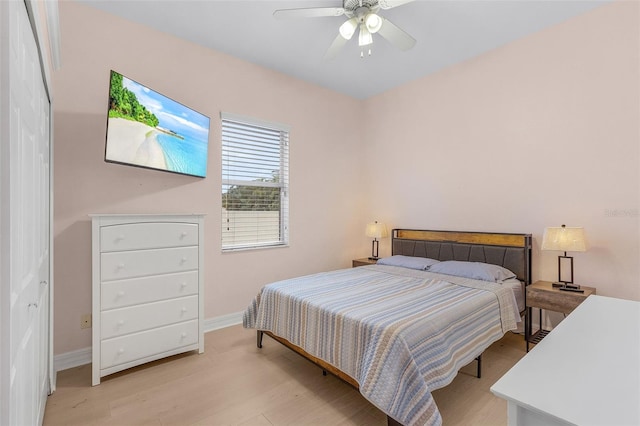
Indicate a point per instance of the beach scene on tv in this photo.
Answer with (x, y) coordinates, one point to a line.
(148, 129)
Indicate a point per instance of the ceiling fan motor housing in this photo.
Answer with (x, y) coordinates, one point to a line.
(360, 8)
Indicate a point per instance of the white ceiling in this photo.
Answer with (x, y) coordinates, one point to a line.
(447, 31)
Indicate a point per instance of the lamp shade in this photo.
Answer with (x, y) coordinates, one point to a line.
(376, 230)
(564, 239)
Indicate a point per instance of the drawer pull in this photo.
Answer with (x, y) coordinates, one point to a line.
(120, 237)
(183, 310)
(183, 260)
(120, 323)
(120, 265)
(183, 335)
(120, 351)
(184, 234)
(183, 285)
(120, 294)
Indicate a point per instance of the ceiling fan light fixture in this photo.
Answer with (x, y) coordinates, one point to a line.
(348, 28)
(365, 38)
(361, 16)
(373, 23)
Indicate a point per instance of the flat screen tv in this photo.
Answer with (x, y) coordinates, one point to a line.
(147, 129)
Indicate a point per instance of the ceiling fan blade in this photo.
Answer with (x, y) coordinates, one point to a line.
(388, 4)
(335, 47)
(399, 38)
(312, 12)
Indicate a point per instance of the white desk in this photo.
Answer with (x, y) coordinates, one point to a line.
(585, 372)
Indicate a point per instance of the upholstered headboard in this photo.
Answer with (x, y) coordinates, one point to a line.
(511, 251)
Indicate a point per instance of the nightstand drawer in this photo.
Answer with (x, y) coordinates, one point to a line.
(542, 295)
(546, 300)
(363, 262)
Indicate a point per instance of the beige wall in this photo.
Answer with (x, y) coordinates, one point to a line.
(541, 132)
(325, 221)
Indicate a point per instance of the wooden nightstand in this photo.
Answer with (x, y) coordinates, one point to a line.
(363, 262)
(543, 295)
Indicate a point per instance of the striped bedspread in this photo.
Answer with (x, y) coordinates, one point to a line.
(400, 333)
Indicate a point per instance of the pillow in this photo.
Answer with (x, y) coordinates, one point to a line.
(420, 263)
(475, 270)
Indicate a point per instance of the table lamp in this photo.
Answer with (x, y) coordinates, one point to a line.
(375, 230)
(564, 239)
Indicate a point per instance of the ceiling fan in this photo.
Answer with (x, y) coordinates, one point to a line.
(363, 16)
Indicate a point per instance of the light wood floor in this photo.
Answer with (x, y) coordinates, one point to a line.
(235, 383)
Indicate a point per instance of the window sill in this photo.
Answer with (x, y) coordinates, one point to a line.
(252, 248)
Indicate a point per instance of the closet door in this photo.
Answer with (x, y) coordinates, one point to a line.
(24, 222)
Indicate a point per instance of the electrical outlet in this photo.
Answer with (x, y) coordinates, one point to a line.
(85, 321)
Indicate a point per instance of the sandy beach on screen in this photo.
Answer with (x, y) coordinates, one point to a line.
(133, 142)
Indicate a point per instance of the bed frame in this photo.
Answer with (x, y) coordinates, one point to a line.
(512, 251)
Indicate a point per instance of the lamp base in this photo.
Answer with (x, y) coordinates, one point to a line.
(375, 244)
(575, 290)
(564, 284)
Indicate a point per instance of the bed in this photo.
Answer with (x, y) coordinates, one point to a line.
(397, 333)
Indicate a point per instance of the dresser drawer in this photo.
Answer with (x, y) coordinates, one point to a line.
(135, 346)
(133, 291)
(128, 264)
(135, 236)
(118, 322)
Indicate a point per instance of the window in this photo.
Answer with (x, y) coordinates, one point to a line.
(255, 183)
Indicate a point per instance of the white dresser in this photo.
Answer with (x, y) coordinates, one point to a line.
(584, 372)
(147, 289)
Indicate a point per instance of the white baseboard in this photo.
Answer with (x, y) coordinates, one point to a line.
(222, 321)
(82, 356)
(72, 359)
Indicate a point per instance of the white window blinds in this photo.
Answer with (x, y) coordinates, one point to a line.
(255, 183)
